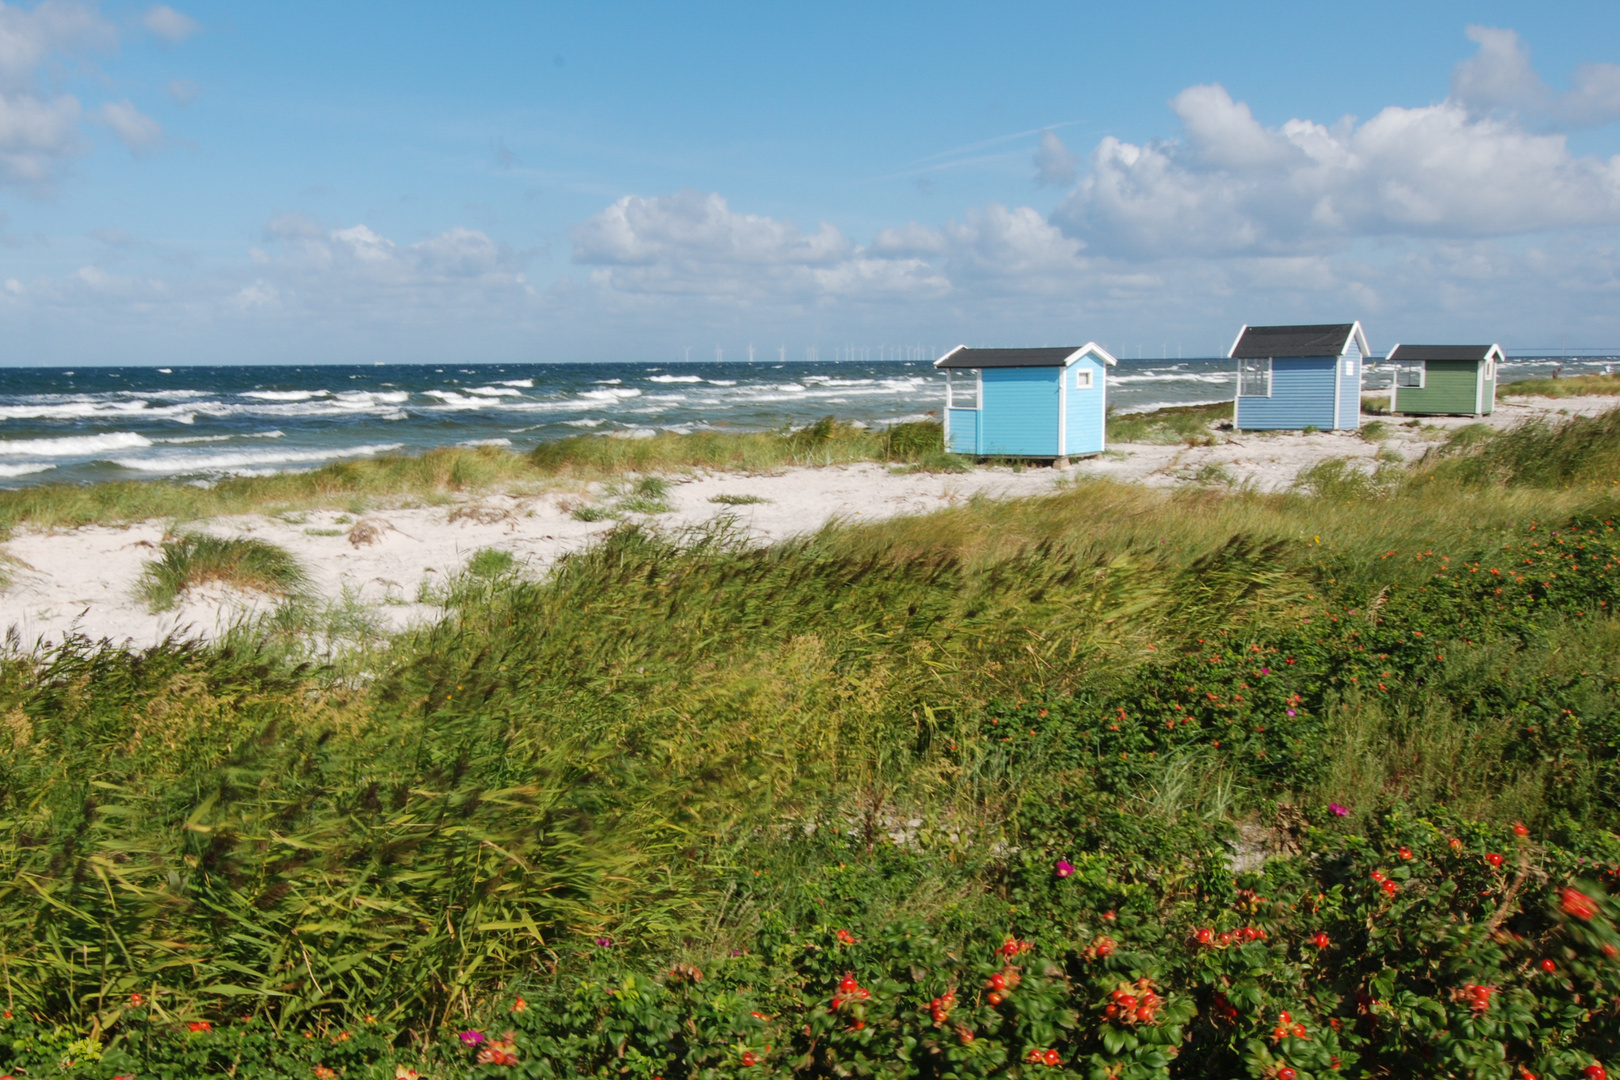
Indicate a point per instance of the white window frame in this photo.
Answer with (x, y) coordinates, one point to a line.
(973, 388)
(1253, 369)
(1083, 377)
(1404, 368)
(1490, 369)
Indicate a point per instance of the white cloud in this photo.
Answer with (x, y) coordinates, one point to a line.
(37, 136)
(1234, 185)
(1500, 77)
(183, 91)
(134, 128)
(1055, 165)
(169, 24)
(693, 227)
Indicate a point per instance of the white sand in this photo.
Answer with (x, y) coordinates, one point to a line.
(83, 580)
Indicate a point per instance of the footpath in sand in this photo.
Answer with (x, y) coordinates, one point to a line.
(83, 580)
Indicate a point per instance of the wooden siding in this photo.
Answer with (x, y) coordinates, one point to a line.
(1087, 409)
(1019, 414)
(1301, 395)
(1488, 398)
(1450, 389)
(963, 425)
(1349, 414)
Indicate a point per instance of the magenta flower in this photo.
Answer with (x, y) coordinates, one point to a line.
(1265, 671)
(1064, 868)
(1290, 712)
(603, 942)
(1338, 811)
(472, 1038)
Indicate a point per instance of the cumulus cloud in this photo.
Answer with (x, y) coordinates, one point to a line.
(40, 128)
(134, 128)
(170, 25)
(1233, 185)
(1055, 165)
(1501, 78)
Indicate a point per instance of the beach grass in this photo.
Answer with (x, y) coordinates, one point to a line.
(686, 783)
(1572, 386)
(454, 472)
(239, 562)
(1191, 424)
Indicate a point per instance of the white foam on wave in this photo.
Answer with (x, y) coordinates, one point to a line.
(722, 382)
(521, 384)
(1174, 376)
(494, 391)
(611, 382)
(609, 395)
(74, 445)
(25, 468)
(247, 459)
(676, 378)
(583, 423)
(84, 408)
(366, 398)
(486, 442)
(284, 395)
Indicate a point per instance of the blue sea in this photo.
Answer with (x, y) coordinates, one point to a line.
(203, 423)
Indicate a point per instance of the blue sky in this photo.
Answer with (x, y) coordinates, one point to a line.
(219, 183)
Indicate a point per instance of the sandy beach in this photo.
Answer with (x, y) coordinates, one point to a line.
(82, 581)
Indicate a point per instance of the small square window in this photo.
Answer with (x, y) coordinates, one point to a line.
(1254, 377)
(1082, 379)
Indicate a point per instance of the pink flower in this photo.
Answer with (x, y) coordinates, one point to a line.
(1290, 712)
(1338, 811)
(1265, 671)
(472, 1038)
(1064, 868)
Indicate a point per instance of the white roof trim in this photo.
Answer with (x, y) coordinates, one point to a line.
(1243, 330)
(1361, 339)
(1495, 352)
(1392, 350)
(1094, 349)
(948, 355)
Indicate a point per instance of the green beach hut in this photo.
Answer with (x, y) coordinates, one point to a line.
(1444, 380)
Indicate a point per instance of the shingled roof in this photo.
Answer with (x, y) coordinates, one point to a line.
(1324, 339)
(1445, 352)
(964, 357)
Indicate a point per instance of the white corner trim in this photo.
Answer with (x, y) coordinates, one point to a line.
(948, 355)
(1233, 349)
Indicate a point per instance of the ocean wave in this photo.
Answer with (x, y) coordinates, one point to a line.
(521, 384)
(676, 378)
(25, 468)
(583, 423)
(248, 459)
(88, 410)
(610, 395)
(74, 445)
(486, 442)
(494, 391)
(1180, 376)
(284, 395)
(722, 382)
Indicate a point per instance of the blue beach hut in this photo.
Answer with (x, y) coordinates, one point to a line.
(1037, 403)
(1292, 377)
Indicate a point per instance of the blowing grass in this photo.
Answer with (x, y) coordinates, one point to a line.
(1191, 424)
(1581, 451)
(1574, 386)
(197, 559)
(685, 752)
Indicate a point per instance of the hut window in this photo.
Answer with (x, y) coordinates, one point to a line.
(1349, 366)
(962, 389)
(1254, 377)
(1082, 379)
(1490, 370)
(1409, 374)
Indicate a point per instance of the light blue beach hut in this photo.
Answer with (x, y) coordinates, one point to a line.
(1037, 403)
(1293, 377)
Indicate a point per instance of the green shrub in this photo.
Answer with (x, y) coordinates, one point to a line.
(200, 559)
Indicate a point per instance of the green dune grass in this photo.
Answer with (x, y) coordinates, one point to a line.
(1247, 754)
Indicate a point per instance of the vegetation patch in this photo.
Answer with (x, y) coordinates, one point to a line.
(1574, 386)
(737, 500)
(1192, 424)
(200, 559)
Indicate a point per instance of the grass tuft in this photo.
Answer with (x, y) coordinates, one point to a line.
(1574, 386)
(200, 559)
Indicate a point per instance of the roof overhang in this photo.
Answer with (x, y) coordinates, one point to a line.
(1300, 345)
(963, 357)
(1447, 352)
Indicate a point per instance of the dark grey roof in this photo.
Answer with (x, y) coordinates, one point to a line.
(1441, 352)
(995, 358)
(1327, 339)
